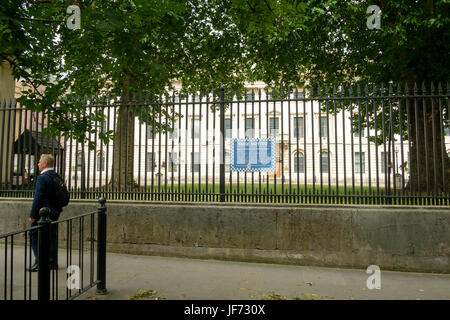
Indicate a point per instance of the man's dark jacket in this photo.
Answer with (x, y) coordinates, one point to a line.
(43, 197)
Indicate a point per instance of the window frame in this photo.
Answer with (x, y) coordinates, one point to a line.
(296, 128)
(360, 162)
(323, 126)
(252, 128)
(296, 162)
(102, 161)
(149, 168)
(195, 165)
(327, 157)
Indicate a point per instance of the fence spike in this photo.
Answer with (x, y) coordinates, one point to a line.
(423, 88)
(440, 88)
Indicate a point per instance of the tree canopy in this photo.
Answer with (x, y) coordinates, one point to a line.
(122, 47)
(141, 45)
(328, 42)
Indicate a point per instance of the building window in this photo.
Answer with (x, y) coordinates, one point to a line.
(359, 162)
(196, 128)
(150, 162)
(249, 96)
(79, 161)
(299, 162)
(149, 131)
(274, 126)
(227, 128)
(323, 126)
(249, 127)
(174, 133)
(195, 162)
(324, 165)
(298, 95)
(447, 128)
(100, 161)
(103, 127)
(227, 161)
(384, 161)
(173, 161)
(299, 127)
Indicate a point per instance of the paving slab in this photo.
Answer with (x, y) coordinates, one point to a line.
(157, 278)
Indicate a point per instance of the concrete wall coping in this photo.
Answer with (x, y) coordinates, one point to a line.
(249, 205)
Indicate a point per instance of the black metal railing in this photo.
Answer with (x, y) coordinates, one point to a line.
(76, 237)
(332, 145)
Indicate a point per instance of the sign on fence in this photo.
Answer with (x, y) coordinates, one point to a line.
(253, 155)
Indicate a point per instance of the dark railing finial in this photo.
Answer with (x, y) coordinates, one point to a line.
(44, 212)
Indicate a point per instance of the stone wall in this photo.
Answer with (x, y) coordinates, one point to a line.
(394, 238)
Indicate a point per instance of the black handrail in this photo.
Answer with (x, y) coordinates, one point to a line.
(47, 273)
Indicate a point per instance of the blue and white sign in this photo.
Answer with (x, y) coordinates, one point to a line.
(253, 155)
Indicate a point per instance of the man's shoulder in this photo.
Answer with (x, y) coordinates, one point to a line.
(49, 173)
(46, 176)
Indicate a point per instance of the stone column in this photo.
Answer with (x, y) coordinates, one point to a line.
(6, 94)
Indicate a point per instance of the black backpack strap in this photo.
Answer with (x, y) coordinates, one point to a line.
(54, 175)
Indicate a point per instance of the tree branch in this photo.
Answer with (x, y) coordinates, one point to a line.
(39, 2)
(248, 3)
(41, 20)
(268, 6)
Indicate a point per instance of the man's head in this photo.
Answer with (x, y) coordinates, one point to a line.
(46, 161)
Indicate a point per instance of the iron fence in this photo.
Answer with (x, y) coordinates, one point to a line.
(355, 145)
(76, 237)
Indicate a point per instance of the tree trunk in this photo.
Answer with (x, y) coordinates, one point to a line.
(123, 151)
(429, 163)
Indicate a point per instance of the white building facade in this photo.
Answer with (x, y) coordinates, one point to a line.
(313, 146)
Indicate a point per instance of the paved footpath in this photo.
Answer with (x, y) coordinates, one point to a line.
(150, 277)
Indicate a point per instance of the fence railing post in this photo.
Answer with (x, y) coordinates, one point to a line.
(222, 145)
(44, 255)
(101, 247)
